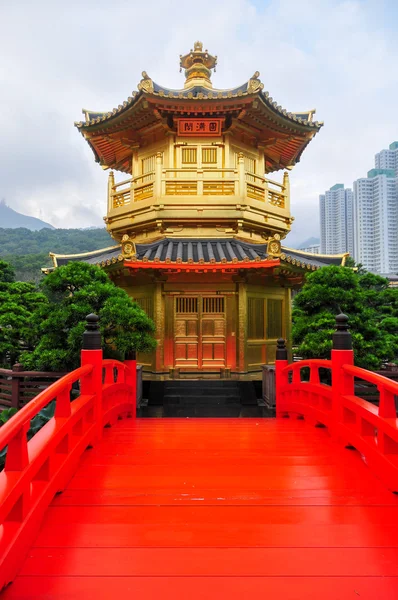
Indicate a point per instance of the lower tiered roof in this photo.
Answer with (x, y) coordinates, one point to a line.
(203, 251)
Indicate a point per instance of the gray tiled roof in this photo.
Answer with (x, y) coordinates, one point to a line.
(314, 259)
(207, 250)
(92, 258)
(203, 250)
(199, 89)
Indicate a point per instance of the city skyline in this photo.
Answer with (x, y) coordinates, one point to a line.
(363, 219)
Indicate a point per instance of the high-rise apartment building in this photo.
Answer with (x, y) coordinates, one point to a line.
(336, 207)
(388, 159)
(376, 215)
(365, 222)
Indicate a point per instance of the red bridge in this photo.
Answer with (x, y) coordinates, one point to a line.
(297, 507)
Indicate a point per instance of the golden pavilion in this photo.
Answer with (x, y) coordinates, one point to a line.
(196, 221)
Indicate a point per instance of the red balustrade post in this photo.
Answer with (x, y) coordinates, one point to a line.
(281, 362)
(131, 378)
(91, 354)
(387, 407)
(342, 383)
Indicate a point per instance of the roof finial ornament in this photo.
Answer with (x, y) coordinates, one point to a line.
(254, 84)
(129, 250)
(274, 248)
(198, 64)
(146, 83)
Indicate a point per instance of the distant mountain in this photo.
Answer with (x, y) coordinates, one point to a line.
(312, 241)
(11, 219)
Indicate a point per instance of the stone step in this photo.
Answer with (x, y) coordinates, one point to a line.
(203, 384)
(185, 400)
(197, 391)
(205, 392)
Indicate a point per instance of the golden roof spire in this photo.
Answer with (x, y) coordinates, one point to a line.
(198, 65)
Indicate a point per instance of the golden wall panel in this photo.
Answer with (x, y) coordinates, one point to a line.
(180, 328)
(271, 353)
(209, 156)
(207, 327)
(192, 328)
(219, 327)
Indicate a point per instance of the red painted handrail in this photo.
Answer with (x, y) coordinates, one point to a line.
(351, 420)
(295, 396)
(11, 429)
(313, 362)
(37, 469)
(379, 380)
(373, 430)
(314, 365)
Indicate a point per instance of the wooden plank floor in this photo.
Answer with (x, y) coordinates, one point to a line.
(216, 508)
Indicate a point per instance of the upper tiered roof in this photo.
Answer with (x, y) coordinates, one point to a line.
(249, 111)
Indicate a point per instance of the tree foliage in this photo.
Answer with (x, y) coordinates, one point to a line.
(7, 273)
(18, 301)
(372, 308)
(72, 292)
(28, 266)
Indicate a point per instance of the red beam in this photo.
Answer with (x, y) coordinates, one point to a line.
(265, 264)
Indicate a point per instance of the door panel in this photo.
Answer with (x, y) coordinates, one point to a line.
(213, 341)
(200, 332)
(186, 329)
(213, 332)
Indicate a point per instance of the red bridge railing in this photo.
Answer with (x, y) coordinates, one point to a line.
(322, 392)
(37, 469)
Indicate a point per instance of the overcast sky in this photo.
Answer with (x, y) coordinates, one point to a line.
(57, 57)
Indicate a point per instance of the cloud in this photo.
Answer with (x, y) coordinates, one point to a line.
(336, 55)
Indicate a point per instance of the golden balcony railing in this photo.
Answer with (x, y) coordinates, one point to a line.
(199, 182)
(167, 182)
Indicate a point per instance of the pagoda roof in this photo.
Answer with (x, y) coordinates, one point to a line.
(284, 134)
(177, 252)
(200, 93)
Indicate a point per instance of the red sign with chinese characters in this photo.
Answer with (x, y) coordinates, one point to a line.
(199, 127)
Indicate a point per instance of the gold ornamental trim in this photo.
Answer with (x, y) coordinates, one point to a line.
(54, 256)
(255, 85)
(146, 83)
(274, 247)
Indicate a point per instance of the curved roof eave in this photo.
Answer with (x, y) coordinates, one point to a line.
(95, 117)
(167, 252)
(201, 93)
(291, 116)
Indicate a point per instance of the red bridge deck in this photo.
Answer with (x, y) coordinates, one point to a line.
(216, 509)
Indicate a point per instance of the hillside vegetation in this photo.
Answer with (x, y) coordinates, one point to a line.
(27, 251)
